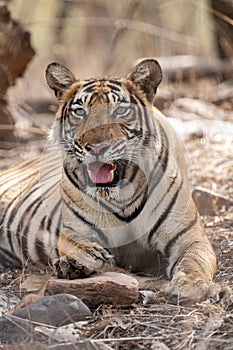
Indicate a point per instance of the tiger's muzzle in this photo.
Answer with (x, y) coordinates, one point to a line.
(97, 172)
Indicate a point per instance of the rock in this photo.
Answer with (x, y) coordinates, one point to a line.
(110, 287)
(14, 330)
(209, 202)
(55, 310)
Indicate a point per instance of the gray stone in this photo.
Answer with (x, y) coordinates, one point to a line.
(14, 330)
(55, 310)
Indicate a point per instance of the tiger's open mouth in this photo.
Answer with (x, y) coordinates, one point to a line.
(102, 174)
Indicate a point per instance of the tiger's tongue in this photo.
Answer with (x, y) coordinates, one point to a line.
(101, 173)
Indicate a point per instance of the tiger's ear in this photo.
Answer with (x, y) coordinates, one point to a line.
(147, 75)
(59, 78)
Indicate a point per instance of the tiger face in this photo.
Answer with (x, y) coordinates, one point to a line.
(105, 125)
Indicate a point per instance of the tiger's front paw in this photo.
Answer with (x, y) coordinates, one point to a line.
(82, 262)
(188, 289)
(67, 267)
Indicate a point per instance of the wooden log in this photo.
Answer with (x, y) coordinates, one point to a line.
(188, 67)
(110, 287)
(222, 12)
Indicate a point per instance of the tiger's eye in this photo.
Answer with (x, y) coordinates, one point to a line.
(122, 111)
(79, 113)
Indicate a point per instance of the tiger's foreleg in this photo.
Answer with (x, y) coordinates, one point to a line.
(192, 266)
(79, 257)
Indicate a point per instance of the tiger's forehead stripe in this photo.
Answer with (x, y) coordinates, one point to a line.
(95, 97)
(101, 91)
(110, 85)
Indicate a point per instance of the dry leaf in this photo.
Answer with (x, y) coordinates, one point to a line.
(36, 283)
(209, 202)
(28, 299)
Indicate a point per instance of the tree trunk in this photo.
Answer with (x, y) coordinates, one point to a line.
(15, 53)
(222, 11)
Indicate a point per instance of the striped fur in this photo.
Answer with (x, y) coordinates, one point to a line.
(138, 202)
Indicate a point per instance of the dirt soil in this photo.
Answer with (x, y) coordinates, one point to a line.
(162, 325)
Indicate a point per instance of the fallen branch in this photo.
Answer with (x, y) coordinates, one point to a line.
(180, 68)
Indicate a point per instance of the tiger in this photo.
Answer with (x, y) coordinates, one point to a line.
(111, 188)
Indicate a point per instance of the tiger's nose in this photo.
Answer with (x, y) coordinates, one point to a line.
(96, 148)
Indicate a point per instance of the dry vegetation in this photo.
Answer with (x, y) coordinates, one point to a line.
(160, 325)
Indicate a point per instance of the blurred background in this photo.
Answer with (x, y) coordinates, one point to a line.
(96, 37)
